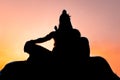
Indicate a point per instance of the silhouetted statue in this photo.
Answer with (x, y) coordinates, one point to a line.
(62, 38)
(69, 59)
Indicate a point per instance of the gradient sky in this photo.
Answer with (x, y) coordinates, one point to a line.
(23, 20)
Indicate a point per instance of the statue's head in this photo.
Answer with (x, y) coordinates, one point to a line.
(64, 21)
(64, 17)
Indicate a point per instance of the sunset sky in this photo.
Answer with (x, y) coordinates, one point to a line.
(23, 20)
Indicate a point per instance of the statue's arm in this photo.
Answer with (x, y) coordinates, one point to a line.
(43, 39)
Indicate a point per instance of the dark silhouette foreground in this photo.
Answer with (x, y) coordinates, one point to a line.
(69, 59)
